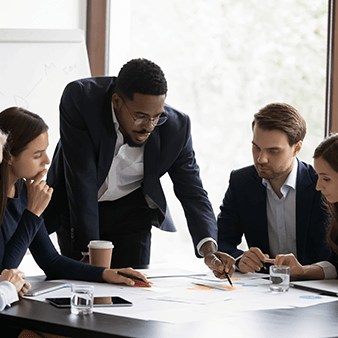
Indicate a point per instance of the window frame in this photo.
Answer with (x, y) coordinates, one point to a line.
(331, 109)
(96, 37)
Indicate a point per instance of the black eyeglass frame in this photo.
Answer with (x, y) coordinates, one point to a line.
(138, 121)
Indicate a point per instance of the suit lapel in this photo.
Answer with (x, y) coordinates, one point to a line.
(107, 142)
(151, 183)
(304, 197)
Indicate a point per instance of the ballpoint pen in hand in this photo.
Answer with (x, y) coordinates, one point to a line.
(228, 278)
(127, 275)
(267, 263)
(138, 281)
(226, 274)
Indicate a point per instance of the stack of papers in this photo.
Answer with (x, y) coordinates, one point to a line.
(181, 296)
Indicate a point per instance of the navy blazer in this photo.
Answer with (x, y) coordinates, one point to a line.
(84, 154)
(243, 211)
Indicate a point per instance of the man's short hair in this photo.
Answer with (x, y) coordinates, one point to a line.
(141, 76)
(282, 116)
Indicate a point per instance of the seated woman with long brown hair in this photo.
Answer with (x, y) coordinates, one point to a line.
(23, 197)
(326, 166)
(12, 282)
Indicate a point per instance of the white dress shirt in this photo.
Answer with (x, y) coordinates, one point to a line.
(281, 215)
(330, 271)
(8, 294)
(126, 171)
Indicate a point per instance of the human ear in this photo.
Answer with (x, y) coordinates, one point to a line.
(298, 147)
(115, 101)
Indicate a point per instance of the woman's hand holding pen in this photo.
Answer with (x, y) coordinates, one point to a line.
(124, 276)
(39, 194)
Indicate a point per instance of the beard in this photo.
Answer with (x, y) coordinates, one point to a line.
(127, 137)
(269, 174)
(131, 143)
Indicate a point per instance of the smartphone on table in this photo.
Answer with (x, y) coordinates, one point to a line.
(98, 301)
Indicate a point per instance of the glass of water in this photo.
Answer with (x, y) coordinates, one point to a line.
(82, 299)
(279, 278)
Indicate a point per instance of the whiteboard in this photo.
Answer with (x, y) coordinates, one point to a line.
(35, 67)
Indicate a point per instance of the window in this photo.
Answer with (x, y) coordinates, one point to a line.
(224, 60)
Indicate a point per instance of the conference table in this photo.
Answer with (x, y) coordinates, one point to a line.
(315, 321)
(319, 320)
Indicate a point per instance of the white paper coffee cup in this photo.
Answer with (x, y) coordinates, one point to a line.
(100, 253)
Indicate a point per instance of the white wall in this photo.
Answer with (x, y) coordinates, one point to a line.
(43, 14)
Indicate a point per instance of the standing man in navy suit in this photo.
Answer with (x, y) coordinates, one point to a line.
(117, 138)
(274, 202)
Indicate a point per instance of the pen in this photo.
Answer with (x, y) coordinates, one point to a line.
(226, 274)
(267, 263)
(130, 276)
(228, 278)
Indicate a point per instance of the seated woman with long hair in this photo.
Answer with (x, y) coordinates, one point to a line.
(23, 198)
(12, 282)
(326, 166)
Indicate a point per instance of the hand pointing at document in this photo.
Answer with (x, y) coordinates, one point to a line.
(219, 262)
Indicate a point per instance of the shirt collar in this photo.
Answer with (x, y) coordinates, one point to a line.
(292, 178)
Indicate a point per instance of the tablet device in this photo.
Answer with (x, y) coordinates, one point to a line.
(40, 287)
(326, 287)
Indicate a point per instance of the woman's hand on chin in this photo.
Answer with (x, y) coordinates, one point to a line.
(39, 193)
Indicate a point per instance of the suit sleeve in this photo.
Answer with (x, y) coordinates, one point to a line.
(26, 226)
(230, 231)
(56, 266)
(189, 190)
(80, 169)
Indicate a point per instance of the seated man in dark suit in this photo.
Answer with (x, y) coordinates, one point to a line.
(118, 137)
(274, 202)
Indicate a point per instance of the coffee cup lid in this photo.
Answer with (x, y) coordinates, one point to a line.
(100, 244)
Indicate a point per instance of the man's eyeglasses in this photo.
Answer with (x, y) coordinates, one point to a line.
(138, 121)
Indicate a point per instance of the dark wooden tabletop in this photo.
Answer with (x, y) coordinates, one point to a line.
(314, 321)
